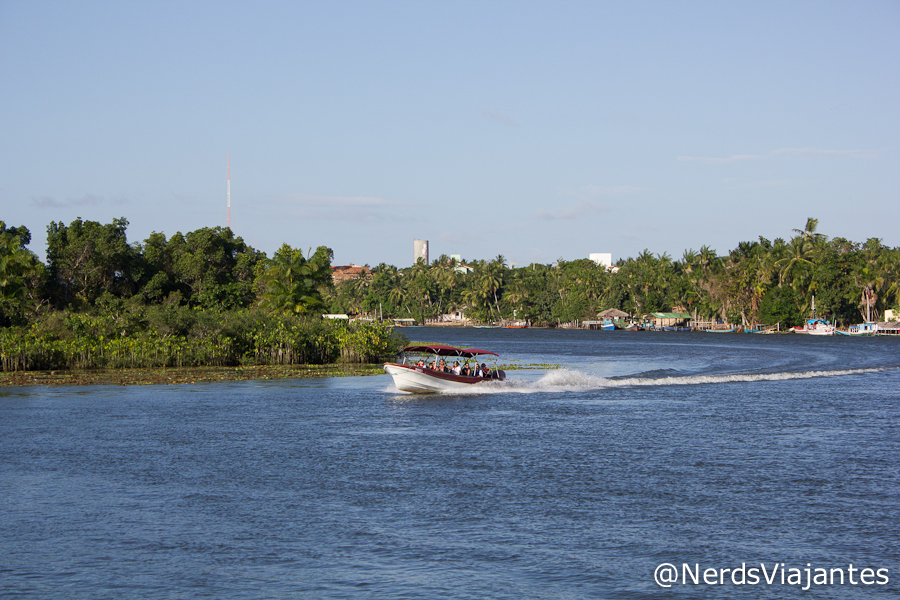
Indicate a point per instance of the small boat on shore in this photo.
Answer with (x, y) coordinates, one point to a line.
(425, 376)
(815, 327)
(764, 329)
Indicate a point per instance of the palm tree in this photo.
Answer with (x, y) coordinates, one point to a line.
(890, 267)
(446, 278)
(809, 232)
(397, 292)
(796, 268)
(17, 266)
(292, 280)
(489, 281)
(797, 259)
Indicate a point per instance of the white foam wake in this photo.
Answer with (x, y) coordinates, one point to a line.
(570, 380)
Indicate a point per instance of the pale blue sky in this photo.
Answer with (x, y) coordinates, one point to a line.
(536, 130)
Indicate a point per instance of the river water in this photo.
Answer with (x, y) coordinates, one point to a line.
(603, 456)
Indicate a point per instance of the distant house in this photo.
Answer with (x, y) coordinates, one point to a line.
(669, 319)
(456, 317)
(461, 267)
(613, 313)
(351, 271)
(888, 328)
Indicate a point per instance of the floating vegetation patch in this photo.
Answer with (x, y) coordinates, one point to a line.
(514, 366)
(184, 375)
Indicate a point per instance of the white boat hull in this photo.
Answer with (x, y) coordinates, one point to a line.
(420, 380)
(815, 327)
(821, 329)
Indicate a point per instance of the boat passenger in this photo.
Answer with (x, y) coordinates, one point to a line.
(444, 367)
(484, 372)
(434, 367)
(456, 369)
(466, 370)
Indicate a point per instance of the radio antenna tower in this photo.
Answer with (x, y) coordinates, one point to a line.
(228, 191)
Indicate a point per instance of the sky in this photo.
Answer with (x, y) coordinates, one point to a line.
(537, 131)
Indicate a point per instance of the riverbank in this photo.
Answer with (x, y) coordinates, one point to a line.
(185, 375)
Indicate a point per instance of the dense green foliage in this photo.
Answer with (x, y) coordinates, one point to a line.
(207, 298)
(291, 282)
(202, 298)
(177, 336)
(758, 282)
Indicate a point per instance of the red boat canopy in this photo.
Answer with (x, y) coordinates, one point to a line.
(442, 350)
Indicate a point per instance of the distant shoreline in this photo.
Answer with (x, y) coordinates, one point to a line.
(183, 375)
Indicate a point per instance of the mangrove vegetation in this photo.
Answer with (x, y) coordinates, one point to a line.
(206, 298)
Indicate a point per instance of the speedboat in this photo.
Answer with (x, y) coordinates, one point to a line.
(420, 377)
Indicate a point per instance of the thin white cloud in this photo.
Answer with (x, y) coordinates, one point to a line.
(575, 211)
(86, 200)
(589, 201)
(715, 161)
(772, 183)
(616, 190)
(47, 202)
(783, 152)
(493, 115)
(343, 208)
(825, 153)
(449, 237)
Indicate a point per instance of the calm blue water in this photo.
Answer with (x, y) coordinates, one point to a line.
(645, 448)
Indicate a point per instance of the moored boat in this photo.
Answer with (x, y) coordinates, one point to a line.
(861, 329)
(761, 329)
(815, 327)
(420, 377)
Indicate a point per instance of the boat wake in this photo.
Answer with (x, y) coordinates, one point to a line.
(565, 380)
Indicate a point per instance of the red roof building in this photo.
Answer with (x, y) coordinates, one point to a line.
(351, 271)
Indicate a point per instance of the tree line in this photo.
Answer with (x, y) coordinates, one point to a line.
(759, 282)
(200, 298)
(216, 300)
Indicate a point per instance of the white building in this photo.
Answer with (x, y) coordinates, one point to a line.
(420, 250)
(604, 259)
